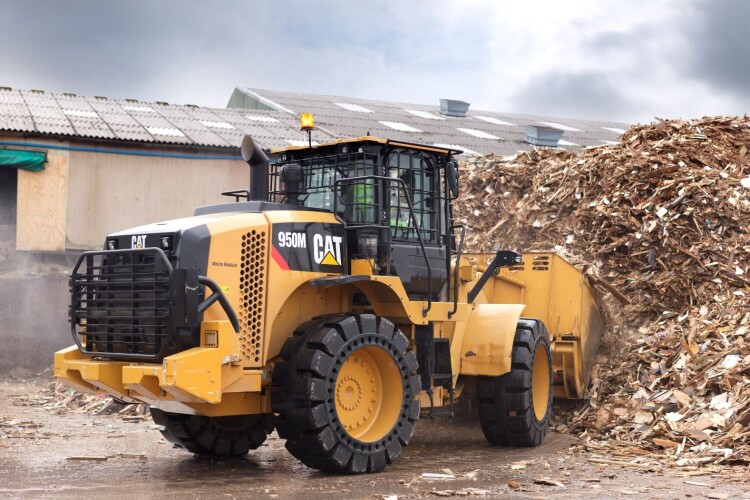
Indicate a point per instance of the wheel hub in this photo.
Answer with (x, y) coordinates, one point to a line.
(359, 397)
(349, 393)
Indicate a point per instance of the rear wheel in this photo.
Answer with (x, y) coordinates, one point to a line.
(344, 393)
(515, 408)
(230, 436)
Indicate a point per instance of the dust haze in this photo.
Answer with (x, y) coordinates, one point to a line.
(33, 295)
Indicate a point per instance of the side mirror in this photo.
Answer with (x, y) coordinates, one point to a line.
(451, 174)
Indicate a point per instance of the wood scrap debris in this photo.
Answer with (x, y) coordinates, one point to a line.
(662, 220)
(59, 398)
(22, 429)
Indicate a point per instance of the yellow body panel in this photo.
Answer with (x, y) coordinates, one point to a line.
(86, 375)
(488, 343)
(291, 300)
(227, 259)
(192, 381)
(556, 293)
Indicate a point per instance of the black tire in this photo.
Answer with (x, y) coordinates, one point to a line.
(508, 412)
(316, 393)
(231, 436)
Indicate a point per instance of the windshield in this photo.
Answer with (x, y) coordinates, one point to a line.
(357, 202)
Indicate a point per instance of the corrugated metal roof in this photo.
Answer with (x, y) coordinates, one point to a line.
(341, 117)
(43, 113)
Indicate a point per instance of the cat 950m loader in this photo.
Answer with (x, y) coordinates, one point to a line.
(330, 302)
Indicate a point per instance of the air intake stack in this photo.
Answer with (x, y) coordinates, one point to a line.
(258, 161)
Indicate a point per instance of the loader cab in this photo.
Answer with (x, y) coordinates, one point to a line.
(393, 199)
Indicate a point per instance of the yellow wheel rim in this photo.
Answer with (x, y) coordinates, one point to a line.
(369, 394)
(540, 381)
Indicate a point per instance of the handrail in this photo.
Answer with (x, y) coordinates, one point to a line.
(455, 268)
(402, 184)
(237, 194)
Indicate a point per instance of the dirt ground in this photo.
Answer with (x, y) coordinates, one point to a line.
(129, 459)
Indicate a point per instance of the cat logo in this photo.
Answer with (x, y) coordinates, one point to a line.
(309, 246)
(327, 249)
(138, 241)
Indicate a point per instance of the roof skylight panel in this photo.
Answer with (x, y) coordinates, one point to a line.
(479, 133)
(402, 127)
(142, 109)
(353, 107)
(261, 118)
(224, 125)
(561, 126)
(165, 131)
(495, 121)
(80, 113)
(424, 114)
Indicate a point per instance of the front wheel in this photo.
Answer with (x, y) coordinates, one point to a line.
(344, 393)
(515, 408)
(231, 436)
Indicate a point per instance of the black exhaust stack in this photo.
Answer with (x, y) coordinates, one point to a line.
(258, 161)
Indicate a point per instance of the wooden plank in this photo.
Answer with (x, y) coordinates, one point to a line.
(42, 205)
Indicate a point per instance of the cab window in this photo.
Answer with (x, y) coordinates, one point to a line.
(413, 174)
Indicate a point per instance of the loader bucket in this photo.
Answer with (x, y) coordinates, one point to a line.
(564, 299)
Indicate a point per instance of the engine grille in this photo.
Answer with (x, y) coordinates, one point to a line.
(252, 293)
(121, 303)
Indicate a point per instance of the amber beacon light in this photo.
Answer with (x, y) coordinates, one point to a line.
(307, 123)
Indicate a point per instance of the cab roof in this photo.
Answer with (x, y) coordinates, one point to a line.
(369, 138)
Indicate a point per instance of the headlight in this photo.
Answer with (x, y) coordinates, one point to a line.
(111, 245)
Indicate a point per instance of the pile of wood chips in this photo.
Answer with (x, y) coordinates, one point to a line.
(662, 220)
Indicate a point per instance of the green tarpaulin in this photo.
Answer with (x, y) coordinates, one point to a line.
(32, 161)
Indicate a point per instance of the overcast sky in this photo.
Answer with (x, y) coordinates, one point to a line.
(623, 60)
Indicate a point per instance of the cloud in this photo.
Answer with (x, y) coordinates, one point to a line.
(623, 61)
(722, 55)
(584, 94)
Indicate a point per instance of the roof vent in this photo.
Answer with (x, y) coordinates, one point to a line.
(451, 107)
(543, 136)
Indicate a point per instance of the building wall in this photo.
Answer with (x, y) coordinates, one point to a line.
(80, 196)
(109, 192)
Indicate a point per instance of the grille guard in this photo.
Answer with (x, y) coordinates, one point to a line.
(131, 304)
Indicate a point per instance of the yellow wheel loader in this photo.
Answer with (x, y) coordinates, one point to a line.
(331, 302)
